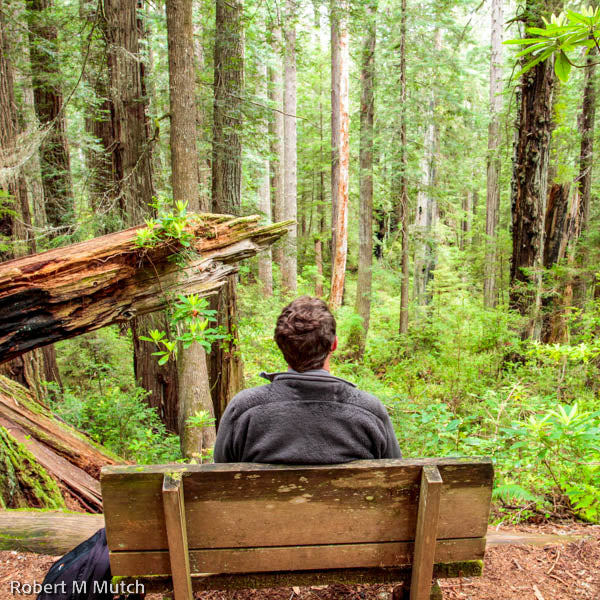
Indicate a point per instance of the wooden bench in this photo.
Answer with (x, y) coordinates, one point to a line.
(225, 526)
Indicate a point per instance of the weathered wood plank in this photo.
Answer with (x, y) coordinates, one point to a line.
(289, 558)
(174, 511)
(286, 579)
(374, 501)
(67, 291)
(426, 534)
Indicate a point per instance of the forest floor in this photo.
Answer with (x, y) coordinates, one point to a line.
(558, 562)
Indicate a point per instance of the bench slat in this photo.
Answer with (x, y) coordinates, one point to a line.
(238, 506)
(247, 560)
(425, 539)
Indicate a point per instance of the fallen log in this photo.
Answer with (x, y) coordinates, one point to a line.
(46, 532)
(46, 454)
(68, 291)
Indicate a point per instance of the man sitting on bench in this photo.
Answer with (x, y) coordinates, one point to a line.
(305, 415)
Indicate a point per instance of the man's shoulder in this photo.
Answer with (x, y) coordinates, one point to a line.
(367, 402)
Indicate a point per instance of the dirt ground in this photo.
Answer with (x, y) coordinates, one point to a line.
(567, 567)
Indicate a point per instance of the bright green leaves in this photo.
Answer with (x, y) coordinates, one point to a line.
(189, 320)
(562, 67)
(169, 225)
(562, 35)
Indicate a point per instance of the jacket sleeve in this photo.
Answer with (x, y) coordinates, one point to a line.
(392, 449)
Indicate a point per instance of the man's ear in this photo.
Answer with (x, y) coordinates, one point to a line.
(335, 344)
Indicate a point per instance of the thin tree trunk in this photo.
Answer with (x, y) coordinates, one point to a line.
(265, 266)
(358, 337)
(227, 111)
(490, 292)
(587, 120)
(201, 123)
(403, 177)
(55, 162)
(289, 265)
(276, 126)
(335, 10)
(341, 120)
(529, 186)
(193, 384)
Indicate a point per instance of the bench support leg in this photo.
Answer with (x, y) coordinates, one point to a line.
(426, 534)
(172, 494)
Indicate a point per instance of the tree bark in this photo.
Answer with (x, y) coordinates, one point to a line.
(265, 266)
(227, 111)
(193, 387)
(340, 199)
(106, 280)
(277, 132)
(289, 265)
(55, 162)
(490, 292)
(586, 120)
(404, 217)
(529, 186)
(358, 336)
(225, 369)
(335, 117)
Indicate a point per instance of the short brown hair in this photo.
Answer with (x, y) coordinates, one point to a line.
(305, 332)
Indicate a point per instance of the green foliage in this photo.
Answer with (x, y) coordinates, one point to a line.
(121, 421)
(562, 36)
(189, 320)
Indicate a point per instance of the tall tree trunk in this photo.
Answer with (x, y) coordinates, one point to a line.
(490, 292)
(529, 184)
(98, 124)
(227, 111)
(201, 122)
(225, 366)
(265, 266)
(56, 169)
(426, 213)
(586, 120)
(342, 119)
(30, 369)
(289, 265)
(193, 384)
(276, 130)
(132, 173)
(403, 328)
(335, 9)
(358, 336)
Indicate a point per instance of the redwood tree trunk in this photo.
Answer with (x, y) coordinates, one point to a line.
(365, 252)
(529, 184)
(490, 292)
(265, 266)
(276, 127)
(289, 265)
(225, 368)
(55, 163)
(586, 160)
(341, 122)
(227, 111)
(132, 160)
(403, 328)
(193, 384)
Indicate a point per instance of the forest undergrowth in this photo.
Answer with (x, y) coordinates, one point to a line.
(460, 383)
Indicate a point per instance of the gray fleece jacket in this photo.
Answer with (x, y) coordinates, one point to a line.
(305, 418)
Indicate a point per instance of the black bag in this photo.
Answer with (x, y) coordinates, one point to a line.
(82, 574)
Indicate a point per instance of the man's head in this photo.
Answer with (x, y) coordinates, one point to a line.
(305, 333)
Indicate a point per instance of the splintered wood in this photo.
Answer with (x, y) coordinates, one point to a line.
(68, 291)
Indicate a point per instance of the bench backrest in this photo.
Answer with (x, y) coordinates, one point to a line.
(361, 514)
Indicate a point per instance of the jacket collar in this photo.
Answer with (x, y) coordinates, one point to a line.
(288, 375)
